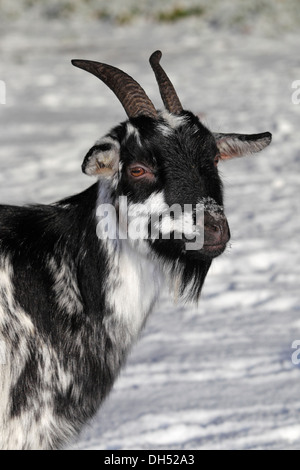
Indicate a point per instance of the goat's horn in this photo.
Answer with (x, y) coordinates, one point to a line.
(167, 90)
(131, 95)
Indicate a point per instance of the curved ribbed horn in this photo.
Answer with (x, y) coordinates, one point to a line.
(131, 95)
(167, 91)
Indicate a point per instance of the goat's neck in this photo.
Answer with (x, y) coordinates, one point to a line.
(133, 283)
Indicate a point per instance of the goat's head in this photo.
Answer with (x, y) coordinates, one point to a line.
(166, 158)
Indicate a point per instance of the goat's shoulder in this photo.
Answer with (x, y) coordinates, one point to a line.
(43, 225)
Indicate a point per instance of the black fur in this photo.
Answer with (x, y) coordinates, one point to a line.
(63, 289)
(30, 236)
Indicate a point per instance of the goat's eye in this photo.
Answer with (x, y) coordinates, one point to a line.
(141, 172)
(137, 171)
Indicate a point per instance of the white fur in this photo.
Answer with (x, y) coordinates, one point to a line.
(166, 131)
(131, 130)
(131, 292)
(15, 323)
(110, 158)
(65, 286)
(172, 120)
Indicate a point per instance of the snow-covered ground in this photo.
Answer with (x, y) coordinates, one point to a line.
(220, 375)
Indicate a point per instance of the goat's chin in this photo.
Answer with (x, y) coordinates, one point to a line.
(186, 269)
(188, 276)
(209, 251)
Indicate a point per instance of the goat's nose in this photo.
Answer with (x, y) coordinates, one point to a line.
(216, 230)
(213, 227)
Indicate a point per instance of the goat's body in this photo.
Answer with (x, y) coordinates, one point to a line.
(67, 318)
(72, 300)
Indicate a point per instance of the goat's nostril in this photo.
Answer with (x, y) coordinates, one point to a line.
(216, 228)
(213, 227)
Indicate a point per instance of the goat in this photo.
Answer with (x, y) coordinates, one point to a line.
(74, 300)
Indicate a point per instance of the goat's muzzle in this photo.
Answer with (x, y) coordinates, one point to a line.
(216, 234)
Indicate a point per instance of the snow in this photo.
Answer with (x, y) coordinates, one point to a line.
(218, 375)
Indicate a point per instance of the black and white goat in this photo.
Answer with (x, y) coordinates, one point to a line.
(72, 299)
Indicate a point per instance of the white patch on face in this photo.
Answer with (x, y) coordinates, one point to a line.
(133, 131)
(165, 130)
(173, 218)
(139, 215)
(180, 222)
(154, 213)
(155, 202)
(172, 120)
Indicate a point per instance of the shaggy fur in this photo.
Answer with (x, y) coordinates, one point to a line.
(72, 302)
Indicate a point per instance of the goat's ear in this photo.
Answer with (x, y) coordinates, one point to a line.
(238, 145)
(102, 159)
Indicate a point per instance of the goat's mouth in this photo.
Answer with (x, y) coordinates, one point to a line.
(213, 250)
(209, 242)
(208, 250)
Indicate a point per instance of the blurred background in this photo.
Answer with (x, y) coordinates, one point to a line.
(281, 15)
(218, 375)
